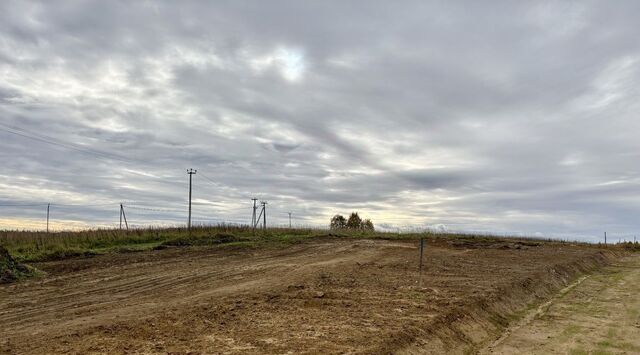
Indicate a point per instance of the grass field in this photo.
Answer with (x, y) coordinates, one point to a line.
(40, 246)
(27, 246)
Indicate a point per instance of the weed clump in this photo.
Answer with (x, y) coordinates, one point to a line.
(201, 240)
(10, 270)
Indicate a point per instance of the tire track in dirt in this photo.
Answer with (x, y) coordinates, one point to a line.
(162, 283)
(322, 296)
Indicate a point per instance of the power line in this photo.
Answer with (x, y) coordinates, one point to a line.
(152, 209)
(58, 205)
(209, 180)
(21, 205)
(60, 143)
(216, 207)
(83, 149)
(81, 205)
(73, 146)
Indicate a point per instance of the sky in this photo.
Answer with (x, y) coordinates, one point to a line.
(509, 117)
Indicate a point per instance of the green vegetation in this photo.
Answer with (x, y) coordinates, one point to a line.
(27, 246)
(10, 270)
(571, 330)
(354, 223)
(40, 246)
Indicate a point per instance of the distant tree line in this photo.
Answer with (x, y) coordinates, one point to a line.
(353, 223)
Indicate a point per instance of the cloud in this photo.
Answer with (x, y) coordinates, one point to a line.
(502, 117)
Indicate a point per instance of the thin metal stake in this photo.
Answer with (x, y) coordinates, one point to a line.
(421, 260)
(48, 205)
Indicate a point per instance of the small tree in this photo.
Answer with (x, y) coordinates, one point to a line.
(367, 225)
(354, 221)
(338, 222)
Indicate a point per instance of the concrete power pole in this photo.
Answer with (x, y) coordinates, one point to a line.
(264, 214)
(289, 219)
(190, 172)
(123, 215)
(253, 216)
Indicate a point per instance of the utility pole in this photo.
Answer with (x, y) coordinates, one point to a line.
(123, 215)
(258, 219)
(190, 172)
(253, 216)
(605, 238)
(289, 219)
(48, 206)
(264, 214)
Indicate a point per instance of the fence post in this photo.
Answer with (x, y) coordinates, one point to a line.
(421, 261)
(48, 206)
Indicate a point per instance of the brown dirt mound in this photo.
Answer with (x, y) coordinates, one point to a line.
(466, 329)
(335, 295)
(10, 270)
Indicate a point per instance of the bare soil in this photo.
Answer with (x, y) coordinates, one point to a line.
(600, 314)
(323, 296)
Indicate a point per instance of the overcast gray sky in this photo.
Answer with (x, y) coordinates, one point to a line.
(501, 116)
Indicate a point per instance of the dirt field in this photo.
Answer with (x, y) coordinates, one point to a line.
(323, 296)
(599, 314)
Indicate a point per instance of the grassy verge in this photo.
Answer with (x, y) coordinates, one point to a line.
(11, 270)
(39, 246)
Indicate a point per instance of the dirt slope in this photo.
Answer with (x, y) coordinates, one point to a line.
(600, 315)
(332, 296)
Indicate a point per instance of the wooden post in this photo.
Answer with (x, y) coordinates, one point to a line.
(421, 252)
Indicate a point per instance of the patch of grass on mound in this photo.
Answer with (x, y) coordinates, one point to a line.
(10, 270)
(207, 239)
(33, 246)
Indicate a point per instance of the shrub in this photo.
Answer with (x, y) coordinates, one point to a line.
(367, 225)
(354, 222)
(338, 222)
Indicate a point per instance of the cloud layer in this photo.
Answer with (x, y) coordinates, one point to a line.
(500, 116)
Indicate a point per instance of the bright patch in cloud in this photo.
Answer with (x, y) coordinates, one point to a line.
(289, 62)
